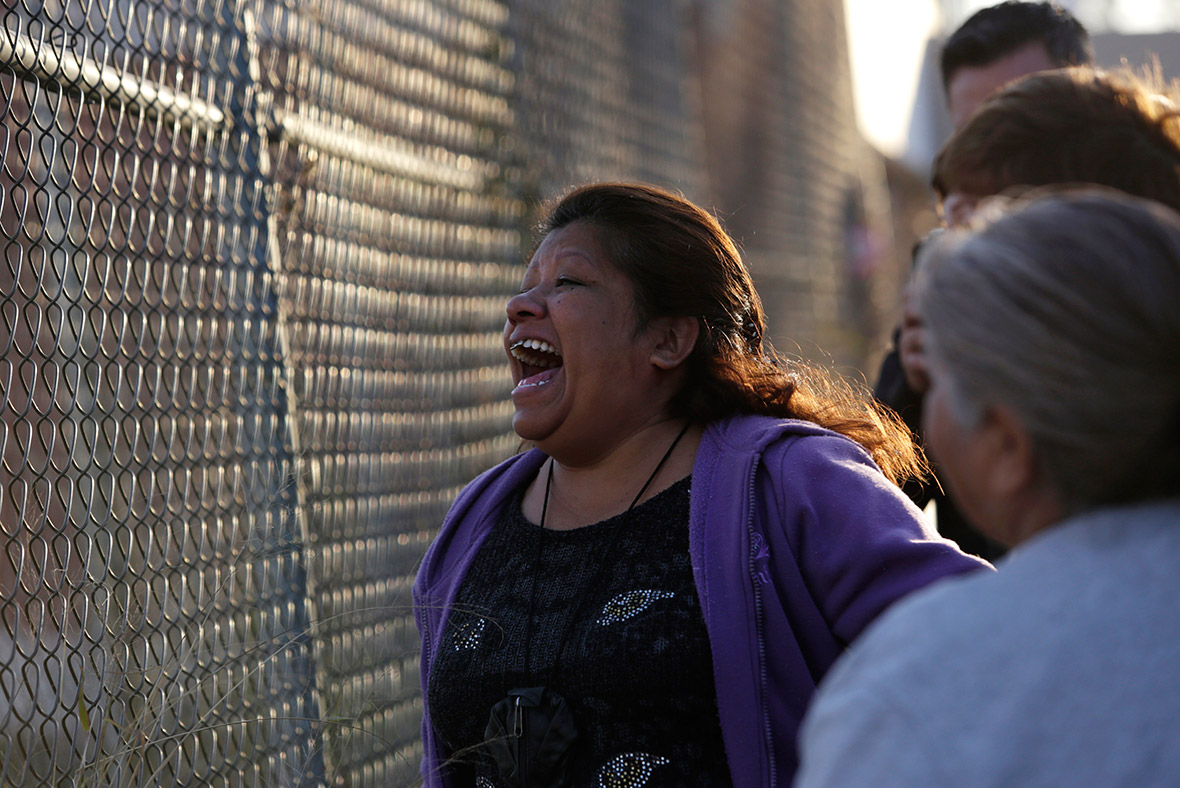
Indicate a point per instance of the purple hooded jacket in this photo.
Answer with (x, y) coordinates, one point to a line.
(797, 542)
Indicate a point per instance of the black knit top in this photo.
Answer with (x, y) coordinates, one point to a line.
(617, 631)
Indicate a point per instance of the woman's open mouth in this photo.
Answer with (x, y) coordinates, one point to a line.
(538, 361)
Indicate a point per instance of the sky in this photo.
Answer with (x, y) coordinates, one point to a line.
(888, 37)
(886, 42)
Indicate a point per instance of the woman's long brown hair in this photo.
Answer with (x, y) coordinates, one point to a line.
(682, 262)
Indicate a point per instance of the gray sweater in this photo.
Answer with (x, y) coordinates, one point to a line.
(1061, 669)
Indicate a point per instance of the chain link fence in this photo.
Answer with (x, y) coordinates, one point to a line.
(255, 256)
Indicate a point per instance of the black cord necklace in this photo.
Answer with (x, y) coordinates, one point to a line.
(638, 495)
(530, 732)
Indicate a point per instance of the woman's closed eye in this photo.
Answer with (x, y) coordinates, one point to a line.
(563, 281)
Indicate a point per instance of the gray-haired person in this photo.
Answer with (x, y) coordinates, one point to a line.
(1053, 335)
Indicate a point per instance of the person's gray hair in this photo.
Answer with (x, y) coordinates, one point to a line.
(1066, 309)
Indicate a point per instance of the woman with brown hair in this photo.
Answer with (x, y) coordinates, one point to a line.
(1070, 126)
(649, 596)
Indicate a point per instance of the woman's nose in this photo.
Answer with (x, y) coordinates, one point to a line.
(525, 305)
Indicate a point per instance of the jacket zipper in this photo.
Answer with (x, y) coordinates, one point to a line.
(522, 752)
(758, 627)
(424, 653)
(423, 670)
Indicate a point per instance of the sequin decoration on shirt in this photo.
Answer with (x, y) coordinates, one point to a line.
(629, 770)
(627, 648)
(466, 634)
(632, 603)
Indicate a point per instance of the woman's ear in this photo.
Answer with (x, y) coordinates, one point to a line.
(1015, 478)
(675, 339)
(1013, 465)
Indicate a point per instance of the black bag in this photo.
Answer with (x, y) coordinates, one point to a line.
(530, 734)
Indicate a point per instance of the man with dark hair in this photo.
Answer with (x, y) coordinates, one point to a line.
(993, 47)
(1006, 41)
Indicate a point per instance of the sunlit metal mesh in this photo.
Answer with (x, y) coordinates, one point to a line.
(154, 623)
(255, 259)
